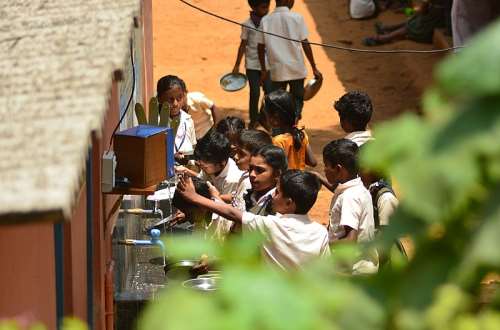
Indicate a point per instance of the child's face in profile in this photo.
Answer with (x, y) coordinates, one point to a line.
(282, 204)
(210, 168)
(261, 10)
(261, 174)
(175, 98)
(242, 158)
(332, 173)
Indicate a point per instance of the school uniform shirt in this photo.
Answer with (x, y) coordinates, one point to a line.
(386, 205)
(185, 139)
(361, 8)
(226, 183)
(292, 240)
(360, 137)
(200, 109)
(251, 52)
(286, 59)
(259, 205)
(352, 206)
(296, 158)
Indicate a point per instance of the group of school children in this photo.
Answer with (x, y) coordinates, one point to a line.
(250, 180)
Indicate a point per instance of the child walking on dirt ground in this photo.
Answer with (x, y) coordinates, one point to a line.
(286, 60)
(248, 47)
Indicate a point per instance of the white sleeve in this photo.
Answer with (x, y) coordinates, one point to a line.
(351, 212)
(253, 222)
(387, 204)
(304, 32)
(244, 33)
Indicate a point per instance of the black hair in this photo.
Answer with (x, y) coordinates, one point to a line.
(281, 104)
(355, 108)
(256, 3)
(201, 188)
(230, 125)
(342, 152)
(302, 187)
(167, 82)
(274, 156)
(252, 140)
(214, 148)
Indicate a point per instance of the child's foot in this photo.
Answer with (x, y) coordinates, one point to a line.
(379, 28)
(372, 41)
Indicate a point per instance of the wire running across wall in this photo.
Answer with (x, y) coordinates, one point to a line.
(331, 46)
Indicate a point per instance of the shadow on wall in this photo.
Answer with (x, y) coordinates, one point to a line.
(395, 82)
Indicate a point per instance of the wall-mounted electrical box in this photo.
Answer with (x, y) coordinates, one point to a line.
(141, 155)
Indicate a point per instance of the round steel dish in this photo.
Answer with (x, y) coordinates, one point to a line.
(201, 284)
(181, 270)
(233, 82)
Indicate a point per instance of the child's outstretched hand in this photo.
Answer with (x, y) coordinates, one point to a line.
(186, 188)
(214, 193)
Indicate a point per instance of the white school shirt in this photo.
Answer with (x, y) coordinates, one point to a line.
(226, 183)
(185, 139)
(292, 240)
(199, 108)
(352, 206)
(360, 137)
(286, 59)
(251, 52)
(258, 204)
(361, 8)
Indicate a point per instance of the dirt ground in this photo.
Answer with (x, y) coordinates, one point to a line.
(200, 49)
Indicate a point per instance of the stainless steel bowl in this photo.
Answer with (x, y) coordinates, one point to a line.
(201, 284)
(180, 270)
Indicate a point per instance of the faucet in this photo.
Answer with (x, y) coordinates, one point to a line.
(154, 241)
(156, 212)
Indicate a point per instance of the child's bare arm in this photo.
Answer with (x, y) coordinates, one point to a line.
(214, 193)
(324, 181)
(239, 56)
(310, 159)
(261, 48)
(186, 189)
(310, 57)
(185, 171)
(215, 113)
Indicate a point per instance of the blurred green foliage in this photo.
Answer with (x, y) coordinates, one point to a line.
(447, 166)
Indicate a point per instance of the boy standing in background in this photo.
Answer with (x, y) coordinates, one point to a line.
(286, 60)
(248, 47)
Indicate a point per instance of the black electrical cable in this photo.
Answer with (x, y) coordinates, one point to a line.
(130, 98)
(338, 47)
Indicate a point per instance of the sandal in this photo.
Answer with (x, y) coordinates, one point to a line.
(370, 42)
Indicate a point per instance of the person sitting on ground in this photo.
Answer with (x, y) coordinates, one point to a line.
(351, 209)
(292, 238)
(420, 27)
(231, 127)
(280, 107)
(171, 90)
(212, 155)
(185, 211)
(285, 57)
(248, 47)
(203, 111)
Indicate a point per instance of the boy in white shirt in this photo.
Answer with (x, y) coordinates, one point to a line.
(351, 209)
(286, 60)
(355, 111)
(202, 110)
(212, 155)
(292, 238)
(248, 47)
